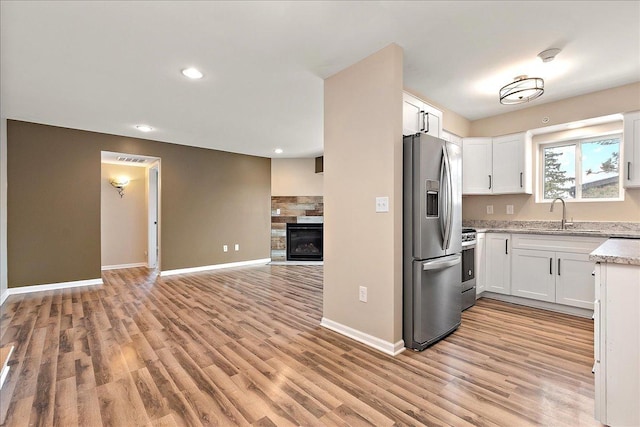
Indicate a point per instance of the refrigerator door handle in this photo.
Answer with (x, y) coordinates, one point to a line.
(442, 203)
(449, 196)
(441, 263)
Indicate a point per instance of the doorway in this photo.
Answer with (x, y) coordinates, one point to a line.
(130, 211)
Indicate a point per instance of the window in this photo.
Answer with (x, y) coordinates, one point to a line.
(585, 169)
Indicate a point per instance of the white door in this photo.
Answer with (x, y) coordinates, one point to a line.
(498, 267)
(476, 166)
(411, 115)
(533, 274)
(574, 282)
(152, 251)
(508, 159)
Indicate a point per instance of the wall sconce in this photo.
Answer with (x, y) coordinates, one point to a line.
(119, 184)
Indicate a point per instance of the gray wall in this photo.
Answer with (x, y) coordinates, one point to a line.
(208, 198)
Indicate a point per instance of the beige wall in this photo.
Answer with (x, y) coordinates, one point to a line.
(123, 220)
(603, 103)
(3, 209)
(597, 104)
(295, 177)
(208, 198)
(362, 161)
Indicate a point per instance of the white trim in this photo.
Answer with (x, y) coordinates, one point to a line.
(214, 267)
(119, 266)
(374, 342)
(4, 296)
(5, 368)
(53, 286)
(544, 305)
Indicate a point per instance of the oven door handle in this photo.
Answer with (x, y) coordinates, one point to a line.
(468, 246)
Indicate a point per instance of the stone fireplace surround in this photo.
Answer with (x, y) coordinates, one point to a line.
(293, 209)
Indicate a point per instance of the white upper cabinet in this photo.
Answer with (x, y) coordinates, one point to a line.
(631, 167)
(420, 117)
(477, 166)
(512, 164)
(499, 165)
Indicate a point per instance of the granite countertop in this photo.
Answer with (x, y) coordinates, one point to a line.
(618, 251)
(583, 229)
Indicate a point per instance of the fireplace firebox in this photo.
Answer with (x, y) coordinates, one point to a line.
(304, 242)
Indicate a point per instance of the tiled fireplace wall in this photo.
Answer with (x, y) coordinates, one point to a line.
(293, 209)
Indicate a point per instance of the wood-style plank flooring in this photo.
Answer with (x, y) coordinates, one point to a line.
(244, 347)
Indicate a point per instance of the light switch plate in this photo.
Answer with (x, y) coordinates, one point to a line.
(382, 204)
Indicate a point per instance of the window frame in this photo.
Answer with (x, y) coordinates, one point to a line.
(578, 141)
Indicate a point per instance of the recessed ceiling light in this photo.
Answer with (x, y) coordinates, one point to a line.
(144, 128)
(192, 73)
(278, 151)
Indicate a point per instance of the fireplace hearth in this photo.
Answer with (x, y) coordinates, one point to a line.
(304, 242)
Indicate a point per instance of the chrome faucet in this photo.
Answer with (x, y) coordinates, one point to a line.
(563, 223)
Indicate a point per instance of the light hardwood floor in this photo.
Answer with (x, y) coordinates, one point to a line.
(244, 347)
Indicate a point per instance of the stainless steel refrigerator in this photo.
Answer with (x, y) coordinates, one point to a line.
(432, 226)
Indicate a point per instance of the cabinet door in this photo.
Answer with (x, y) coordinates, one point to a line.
(476, 166)
(631, 166)
(411, 115)
(432, 120)
(420, 117)
(498, 266)
(480, 264)
(533, 274)
(574, 282)
(511, 158)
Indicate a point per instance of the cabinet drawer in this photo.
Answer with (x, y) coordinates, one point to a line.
(583, 245)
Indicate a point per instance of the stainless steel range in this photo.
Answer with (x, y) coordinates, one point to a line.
(468, 268)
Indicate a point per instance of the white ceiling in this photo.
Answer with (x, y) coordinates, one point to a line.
(107, 66)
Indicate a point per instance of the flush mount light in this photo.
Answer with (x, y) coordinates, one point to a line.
(192, 73)
(278, 151)
(144, 128)
(522, 89)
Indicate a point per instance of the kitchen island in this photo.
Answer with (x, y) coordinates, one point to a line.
(617, 332)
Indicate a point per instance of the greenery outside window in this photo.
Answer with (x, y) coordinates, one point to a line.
(586, 169)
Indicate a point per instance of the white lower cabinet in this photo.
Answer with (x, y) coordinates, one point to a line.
(480, 264)
(532, 275)
(563, 278)
(617, 344)
(498, 263)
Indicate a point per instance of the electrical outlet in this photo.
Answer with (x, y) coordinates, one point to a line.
(225, 248)
(489, 209)
(509, 209)
(237, 247)
(363, 294)
(277, 211)
(382, 204)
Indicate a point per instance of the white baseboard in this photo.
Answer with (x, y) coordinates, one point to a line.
(558, 308)
(3, 297)
(120, 266)
(215, 267)
(374, 342)
(5, 368)
(53, 286)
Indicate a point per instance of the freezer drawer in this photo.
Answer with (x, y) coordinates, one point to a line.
(436, 305)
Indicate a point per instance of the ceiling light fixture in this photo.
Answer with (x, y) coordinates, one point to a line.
(522, 89)
(192, 73)
(144, 128)
(278, 151)
(549, 54)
